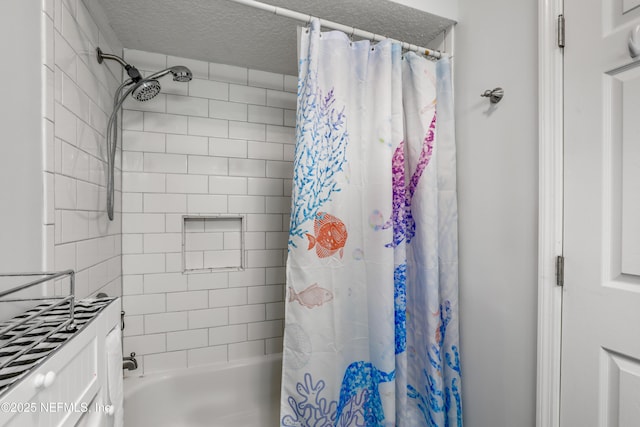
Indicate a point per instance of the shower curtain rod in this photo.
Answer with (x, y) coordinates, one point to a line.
(287, 13)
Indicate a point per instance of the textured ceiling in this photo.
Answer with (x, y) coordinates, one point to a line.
(229, 33)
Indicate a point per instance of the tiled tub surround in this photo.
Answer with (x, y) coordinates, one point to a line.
(220, 145)
(213, 243)
(78, 96)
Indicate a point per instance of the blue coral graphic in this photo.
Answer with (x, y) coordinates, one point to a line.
(360, 404)
(400, 306)
(353, 413)
(311, 410)
(436, 398)
(361, 376)
(321, 142)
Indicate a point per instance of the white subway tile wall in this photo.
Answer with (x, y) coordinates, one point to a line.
(221, 144)
(217, 241)
(77, 94)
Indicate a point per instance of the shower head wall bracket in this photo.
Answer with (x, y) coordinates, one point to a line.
(131, 70)
(102, 56)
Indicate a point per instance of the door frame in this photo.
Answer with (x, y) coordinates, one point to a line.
(550, 212)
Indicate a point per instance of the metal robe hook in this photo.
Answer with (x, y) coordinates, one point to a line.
(634, 42)
(494, 95)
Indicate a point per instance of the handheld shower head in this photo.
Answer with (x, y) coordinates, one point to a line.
(181, 73)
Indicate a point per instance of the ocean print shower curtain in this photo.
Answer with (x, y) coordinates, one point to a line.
(371, 322)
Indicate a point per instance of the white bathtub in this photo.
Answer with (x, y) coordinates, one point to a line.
(245, 393)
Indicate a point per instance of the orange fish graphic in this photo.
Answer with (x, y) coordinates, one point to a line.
(330, 235)
(311, 297)
(438, 334)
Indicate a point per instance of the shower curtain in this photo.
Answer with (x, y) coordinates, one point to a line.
(371, 322)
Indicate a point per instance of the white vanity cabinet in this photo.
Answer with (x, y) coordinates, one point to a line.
(65, 389)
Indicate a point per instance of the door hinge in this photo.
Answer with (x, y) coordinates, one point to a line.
(561, 25)
(560, 270)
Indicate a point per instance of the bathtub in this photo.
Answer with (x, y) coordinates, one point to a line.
(244, 393)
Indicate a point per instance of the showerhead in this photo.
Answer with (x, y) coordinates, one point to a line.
(149, 87)
(181, 73)
(146, 90)
(142, 89)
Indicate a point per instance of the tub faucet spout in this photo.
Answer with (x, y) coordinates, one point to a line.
(130, 362)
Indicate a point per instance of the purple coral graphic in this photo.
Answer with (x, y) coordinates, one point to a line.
(404, 226)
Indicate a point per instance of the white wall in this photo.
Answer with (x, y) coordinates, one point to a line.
(220, 144)
(496, 45)
(21, 189)
(53, 113)
(79, 98)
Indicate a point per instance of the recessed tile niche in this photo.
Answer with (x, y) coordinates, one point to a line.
(212, 243)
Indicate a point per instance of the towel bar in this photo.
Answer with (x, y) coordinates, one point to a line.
(11, 333)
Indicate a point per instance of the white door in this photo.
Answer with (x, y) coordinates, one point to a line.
(600, 372)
